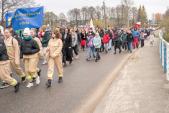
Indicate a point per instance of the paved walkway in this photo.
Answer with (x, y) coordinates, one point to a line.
(140, 87)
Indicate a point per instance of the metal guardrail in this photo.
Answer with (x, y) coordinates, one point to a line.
(164, 54)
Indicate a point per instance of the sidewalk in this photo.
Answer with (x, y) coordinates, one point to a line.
(140, 87)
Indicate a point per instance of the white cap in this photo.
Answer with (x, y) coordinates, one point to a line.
(27, 32)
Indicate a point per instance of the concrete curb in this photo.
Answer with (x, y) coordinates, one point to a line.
(91, 103)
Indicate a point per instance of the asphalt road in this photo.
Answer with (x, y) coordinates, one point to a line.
(80, 79)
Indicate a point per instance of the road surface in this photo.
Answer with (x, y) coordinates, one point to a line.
(80, 80)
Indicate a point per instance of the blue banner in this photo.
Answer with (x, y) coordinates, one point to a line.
(28, 18)
(8, 18)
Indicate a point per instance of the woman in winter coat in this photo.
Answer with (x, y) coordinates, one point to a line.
(129, 40)
(117, 42)
(68, 45)
(136, 36)
(91, 49)
(74, 42)
(45, 40)
(106, 39)
(101, 33)
(83, 40)
(54, 51)
(97, 44)
(142, 39)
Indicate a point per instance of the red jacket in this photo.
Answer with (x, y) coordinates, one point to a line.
(106, 38)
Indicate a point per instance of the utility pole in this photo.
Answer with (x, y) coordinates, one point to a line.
(104, 10)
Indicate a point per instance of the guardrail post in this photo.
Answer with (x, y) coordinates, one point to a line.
(160, 50)
(165, 57)
(162, 55)
(167, 74)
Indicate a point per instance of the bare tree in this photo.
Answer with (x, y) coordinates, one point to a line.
(134, 13)
(10, 5)
(127, 5)
(51, 19)
(74, 15)
(118, 15)
(113, 12)
(84, 12)
(98, 12)
(92, 12)
(62, 19)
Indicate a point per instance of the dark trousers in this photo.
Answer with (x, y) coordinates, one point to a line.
(142, 42)
(124, 45)
(75, 49)
(117, 47)
(64, 55)
(97, 53)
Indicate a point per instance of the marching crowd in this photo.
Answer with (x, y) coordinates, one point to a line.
(57, 48)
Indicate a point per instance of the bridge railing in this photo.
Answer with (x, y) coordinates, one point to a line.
(164, 54)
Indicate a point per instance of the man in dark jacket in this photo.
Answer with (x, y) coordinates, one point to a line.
(117, 42)
(129, 40)
(5, 66)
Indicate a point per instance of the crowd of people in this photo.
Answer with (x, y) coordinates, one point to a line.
(58, 47)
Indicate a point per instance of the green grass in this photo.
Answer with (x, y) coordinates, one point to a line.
(166, 36)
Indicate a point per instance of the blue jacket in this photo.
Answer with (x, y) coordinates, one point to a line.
(135, 34)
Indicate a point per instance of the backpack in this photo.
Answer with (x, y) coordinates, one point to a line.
(19, 43)
(2, 46)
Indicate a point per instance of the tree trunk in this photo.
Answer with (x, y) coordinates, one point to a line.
(2, 14)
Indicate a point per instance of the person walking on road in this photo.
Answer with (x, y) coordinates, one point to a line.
(91, 49)
(97, 44)
(54, 52)
(75, 43)
(83, 39)
(129, 40)
(30, 50)
(33, 34)
(117, 42)
(124, 40)
(68, 45)
(111, 39)
(45, 39)
(63, 32)
(106, 39)
(142, 39)
(136, 36)
(13, 51)
(5, 67)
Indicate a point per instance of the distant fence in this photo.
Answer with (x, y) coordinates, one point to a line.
(164, 54)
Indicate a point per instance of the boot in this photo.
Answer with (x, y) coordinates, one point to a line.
(17, 87)
(60, 80)
(48, 83)
(23, 79)
(39, 72)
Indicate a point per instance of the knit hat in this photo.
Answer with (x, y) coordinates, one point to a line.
(26, 32)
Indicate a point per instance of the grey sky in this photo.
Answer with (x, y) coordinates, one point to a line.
(58, 6)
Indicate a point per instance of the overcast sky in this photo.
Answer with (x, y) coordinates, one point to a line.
(58, 6)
